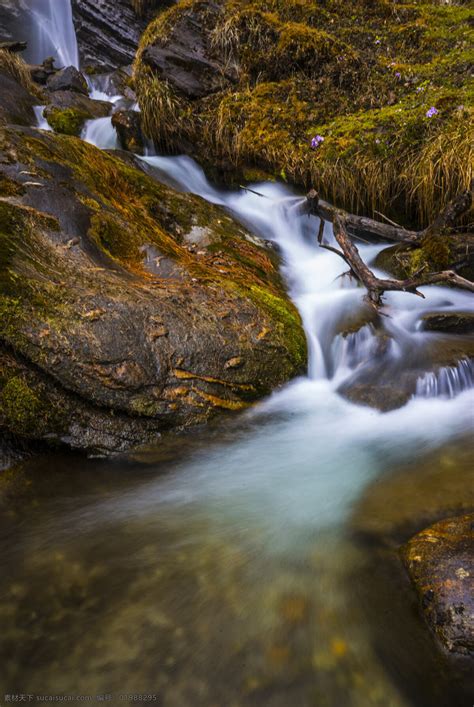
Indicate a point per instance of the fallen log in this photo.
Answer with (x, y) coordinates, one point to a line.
(376, 286)
(363, 226)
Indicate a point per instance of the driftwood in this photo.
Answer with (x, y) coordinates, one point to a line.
(344, 222)
(363, 226)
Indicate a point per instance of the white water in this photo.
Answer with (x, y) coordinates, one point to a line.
(53, 33)
(99, 132)
(41, 121)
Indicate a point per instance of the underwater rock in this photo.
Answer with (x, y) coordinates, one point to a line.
(122, 329)
(440, 562)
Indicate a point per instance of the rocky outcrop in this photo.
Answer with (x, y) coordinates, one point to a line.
(68, 79)
(113, 324)
(440, 561)
(108, 31)
(187, 60)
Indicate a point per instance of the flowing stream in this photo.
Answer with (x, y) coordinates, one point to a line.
(227, 567)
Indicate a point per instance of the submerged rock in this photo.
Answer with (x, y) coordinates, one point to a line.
(69, 79)
(119, 329)
(440, 561)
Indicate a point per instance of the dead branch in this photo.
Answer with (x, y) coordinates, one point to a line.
(377, 286)
(361, 225)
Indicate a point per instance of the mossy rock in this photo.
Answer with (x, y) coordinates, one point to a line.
(66, 121)
(364, 75)
(119, 315)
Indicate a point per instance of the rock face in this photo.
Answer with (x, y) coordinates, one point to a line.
(187, 60)
(113, 325)
(440, 561)
(108, 31)
(68, 79)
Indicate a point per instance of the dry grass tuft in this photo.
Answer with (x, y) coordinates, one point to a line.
(13, 65)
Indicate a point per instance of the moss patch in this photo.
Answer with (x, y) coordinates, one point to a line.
(67, 121)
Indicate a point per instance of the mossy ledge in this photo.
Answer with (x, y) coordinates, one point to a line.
(127, 302)
(363, 75)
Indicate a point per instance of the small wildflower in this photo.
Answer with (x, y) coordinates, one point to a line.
(461, 108)
(377, 41)
(377, 141)
(431, 112)
(398, 75)
(317, 141)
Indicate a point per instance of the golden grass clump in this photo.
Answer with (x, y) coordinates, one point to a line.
(13, 65)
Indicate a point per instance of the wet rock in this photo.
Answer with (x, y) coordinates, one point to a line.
(121, 330)
(381, 397)
(127, 124)
(16, 103)
(186, 58)
(449, 322)
(69, 110)
(108, 31)
(440, 561)
(68, 79)
(403, 261)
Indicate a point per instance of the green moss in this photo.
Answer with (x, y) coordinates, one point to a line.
(114, 238)
(283, 311)
(20, 407)
(67, 121)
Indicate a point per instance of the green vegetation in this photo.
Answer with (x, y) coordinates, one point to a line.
(67, 121)
(363, 75)
(20, 406)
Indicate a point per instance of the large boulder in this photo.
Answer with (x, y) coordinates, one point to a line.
(114, 324)
(108, 31)
(440, 561)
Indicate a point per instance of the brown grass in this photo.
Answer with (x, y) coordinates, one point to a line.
(13, 65)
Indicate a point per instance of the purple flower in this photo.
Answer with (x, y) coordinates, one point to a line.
(431, 112)
(317, 141)
(398, 75)
(377, 41)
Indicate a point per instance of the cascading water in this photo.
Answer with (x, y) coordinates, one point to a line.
(52, 32)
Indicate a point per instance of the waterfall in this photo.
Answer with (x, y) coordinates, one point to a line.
(448, 381)
(52, 32)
